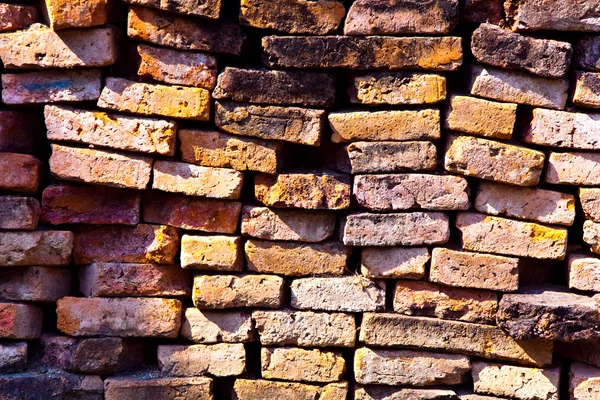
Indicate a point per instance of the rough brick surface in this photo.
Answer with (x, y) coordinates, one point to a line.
(232, 291)
(584, 272)
(563, 129)
(125, 388)
(221, 359)
(46, 248)
(586, 93)
(373, 392)
(394, 262)
(481, 117)
(533, 15)
(588, 198)
(202, 8)
(48, 384)
(19, 172)
(397, 88)
(212, 253)
(573, 169)
(17, 16)
(584, 382)
(372, 157)
(17, 212)
(202, 326)
(13, 357)
(38, 284)
(251, 389)
(304, 365)
(20, 321)
(62, 14)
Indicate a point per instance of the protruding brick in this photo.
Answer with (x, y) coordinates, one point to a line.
(385, 125)
(230, 291)
(584, 382)
(294, 225)
(221, 359)
(121, 317)
(370, 157)
(19, 172)
(45, 284)
(212, 253)
(62, 14)
(395, 393)
(252, 389)
(311, 89)
(207, 327)
(14, 17)
(481, 117)
(397, 229)
(587, 53)
(397, 88)
(148, 387)
(563, 129)
(591, 235)
(305, 328)
(405, 367)
(533, 15)
(590, 203)
(474, 270)
(18, 212)
(21, 132)
(100, 167)
(350, 294)
(304, 365)
(13, 357)
(142, 243)
(191, 213)
(394, 262)
(48, 384)
(573, 168)
(201, 8)
(46, 248)
(584, 272)
(20, 321)
(384, 52)
(587, 90)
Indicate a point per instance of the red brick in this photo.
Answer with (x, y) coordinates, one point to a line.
(19, 172)
(14, 17)
(20, 321)
(19, 212)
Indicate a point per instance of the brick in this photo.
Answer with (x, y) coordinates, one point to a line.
(126, 388)
(202, 8)
(563, 129)
(152, 99)
(13, 357)
(587, 90)
(514, 238)
(100, 205)
(19, 172)
(477, 397)
(294, 225)
(100, 167)
(589, 199)
(231, 291)
(394, 262)
(124, 280)
(587, 53)
(101, 356)
(591, 235)
(296, 259)
(474, 270)
(385, 125)
(516, 382)
(318, 17)
(252, 389)
(518, 87)
(201, 326)
(183, 33)
(51, 86)
(373, 157)
(397, 88)
(216, 149)
(384, 52)
(62, 14)
(195, 180)
(48, 384)
(585, 352)
(395, 393)
(21, 132)
(405, 367)
(481, 117)
(426, 299)
(533, 15)
(310, 89)
(480, 11)
(43, 284)
(583, 272)
(305, 328)
(41, 47)
(14, 17)
(584, 382)
(121, 317)
(410, 191)
(20, 321)
(191, 213)
(304, 365)
(18, 212)
(526, 203)
(396, 229)
(348, 294)
(44, 248)
(453, 337)
(221, 359)
(212, 253)
(142, 243)
(573, 168)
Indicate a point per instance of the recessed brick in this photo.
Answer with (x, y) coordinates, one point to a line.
(589, 199)
(47, 384)
(201, 8)
(20, 321)
(18, 212)
(19, 172)
(586, 93)
(13, 357)
(39, 284)
(584, 382)
(45, 248)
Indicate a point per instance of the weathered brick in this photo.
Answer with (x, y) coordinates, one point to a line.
(122, 317)
(304, 365)
(587, 90)
(19, 172)
(405, 367)
(371, 52)
(516, 382)
(349, 294)
(152, 99)
(142, 243)
(212, 253)
(584, 382)
(294, 225)
(148, 387)
(123, 280)
(13, 357)
(474, 270)
(195, 180)
(46, 248)
(563, 129)
(221, 359)
(215, 149)
(201, 8)
(587, 53)
(518, 87)
(231, 291)
(15, 17)
(385, 125)
(534, 15)
(394, 262)
(408, 191)
(311, 89)
(585, 352)
(397, 88)
(191, 213)
(289, 124)
(591, 235)
(45, 284)
(397, 229)
(21, 132)
(18, 212)
(252, 389)
(48, 384)
(100, 167)
(293, 16)
(481, 117)
(395, 393)
(584, 272)
(514, 238)
(477, 397)
(62, 14)
(480, 11)
(573, 168)
(20, 321)
(431, 300)
(452, 336)
(370, 157)
(589, 198)
(296, 259)
(179, 32)
(51, 86)
(207, 327)
(526, 203)
(305, 328)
